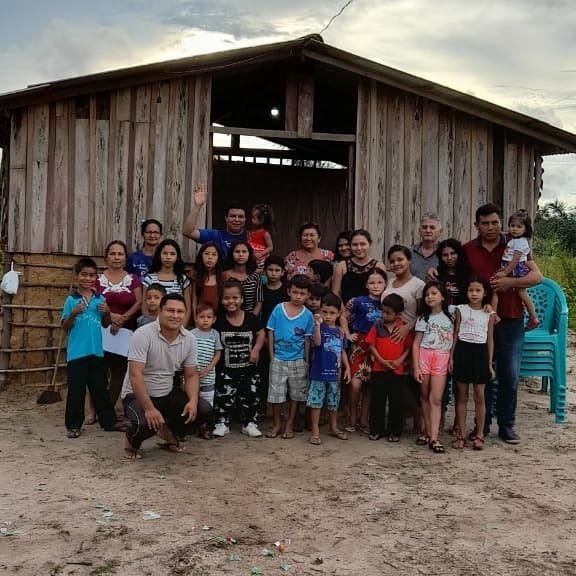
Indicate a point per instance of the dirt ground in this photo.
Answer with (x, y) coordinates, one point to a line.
(344, 508)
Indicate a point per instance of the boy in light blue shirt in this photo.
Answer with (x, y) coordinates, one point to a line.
(83, 316)
(289, 330)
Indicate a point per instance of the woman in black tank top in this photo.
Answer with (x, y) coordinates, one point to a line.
(350, 275)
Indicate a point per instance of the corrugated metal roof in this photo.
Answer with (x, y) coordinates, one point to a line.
(314, 48)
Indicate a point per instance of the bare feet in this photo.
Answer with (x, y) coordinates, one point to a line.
(171, 442)
(273, 432)
(130, 452)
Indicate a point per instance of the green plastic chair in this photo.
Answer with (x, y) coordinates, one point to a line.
(544, 352)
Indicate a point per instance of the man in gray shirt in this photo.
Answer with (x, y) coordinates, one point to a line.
(152, 403)
(424, 253)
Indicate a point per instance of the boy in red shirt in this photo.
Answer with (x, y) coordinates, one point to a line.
(388, 371)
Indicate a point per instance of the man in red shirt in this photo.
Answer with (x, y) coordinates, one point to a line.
(485, 255)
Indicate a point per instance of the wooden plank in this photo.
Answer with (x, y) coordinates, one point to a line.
(36, 217)
(305, 106)
(154, 96)
(413, 178)
(160, 152)
(27, 225)
(361, 203)
(510, 178)
(489, 163)
(92, 176)
(479, 170)
(71, 152)
(291, 105)
(261, 133)
(537, 178)
(373, 172)
(118, 164)
(462, 179)
(529, 200)
(140, 179)
(131, 223)
(430, 126)
(50, 214)
(17, 180)
(378, 194)
(123, 102)
(101, 185)
(82, 205)
(395, 170)
(143, 104)
(176, 159)
(446, 171)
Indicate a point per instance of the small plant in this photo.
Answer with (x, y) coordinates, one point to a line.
(109, 567)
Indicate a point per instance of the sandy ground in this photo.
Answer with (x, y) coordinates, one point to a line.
(345, 508)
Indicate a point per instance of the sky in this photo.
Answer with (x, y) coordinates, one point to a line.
(520, 54)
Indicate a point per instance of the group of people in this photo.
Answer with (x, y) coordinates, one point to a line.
(338, 330)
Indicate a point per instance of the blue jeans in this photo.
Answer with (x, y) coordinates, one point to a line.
(508, 342)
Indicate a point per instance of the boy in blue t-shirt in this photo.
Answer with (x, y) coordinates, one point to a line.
(84, 313)
(289, 328)
(328, 358)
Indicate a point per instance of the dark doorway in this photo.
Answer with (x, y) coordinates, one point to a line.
(297, 194)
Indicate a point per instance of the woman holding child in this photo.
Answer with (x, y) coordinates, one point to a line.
(298, 260)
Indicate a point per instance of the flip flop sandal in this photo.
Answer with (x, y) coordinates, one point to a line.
(423, 440)
(374, 437)
(393, 438)
(75, 433)
(315, 440)
(288, 435)
(478, 443)
(350, 429)
(459, 443)
(436, 447)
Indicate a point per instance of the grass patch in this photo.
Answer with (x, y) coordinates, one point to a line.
(561, 268)
(109, 567)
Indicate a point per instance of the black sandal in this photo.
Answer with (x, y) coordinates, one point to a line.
(436, 447)
(422, 440)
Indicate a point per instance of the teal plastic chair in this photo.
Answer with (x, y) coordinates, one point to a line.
(544, 352)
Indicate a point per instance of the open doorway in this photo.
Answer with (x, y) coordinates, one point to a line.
(299, 185)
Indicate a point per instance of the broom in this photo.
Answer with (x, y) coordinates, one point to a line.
(52, 394)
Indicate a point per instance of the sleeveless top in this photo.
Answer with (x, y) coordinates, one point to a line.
(354, 279)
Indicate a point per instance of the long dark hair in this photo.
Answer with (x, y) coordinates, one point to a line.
(250, 264)
(425, 310)
(179, 269)
(462, 267)
(345, 235)
(202, 271)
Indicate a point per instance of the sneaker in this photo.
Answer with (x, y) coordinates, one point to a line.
(220, 430)
(251, 430)
(509, 436)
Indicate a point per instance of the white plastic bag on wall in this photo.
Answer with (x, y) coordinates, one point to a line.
(10, 281)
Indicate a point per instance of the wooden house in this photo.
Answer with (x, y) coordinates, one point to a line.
(353, 144)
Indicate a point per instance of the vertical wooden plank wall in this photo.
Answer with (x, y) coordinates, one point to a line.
(86, 171)
(414, 156)
(522, 176)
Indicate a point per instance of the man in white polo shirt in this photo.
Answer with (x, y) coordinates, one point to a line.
(153, 405)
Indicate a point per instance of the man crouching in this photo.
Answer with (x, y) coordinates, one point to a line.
(153, 404)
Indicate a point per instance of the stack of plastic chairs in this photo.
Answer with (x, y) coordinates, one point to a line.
(544, 352)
